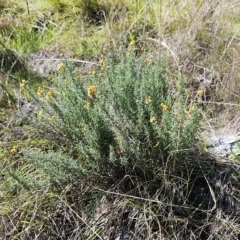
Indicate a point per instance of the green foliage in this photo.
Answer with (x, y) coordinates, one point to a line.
(125, 116)
(236, 154)
(61, 169)
(97, 11)
(26, 41)
(42, 170)
(23, 41)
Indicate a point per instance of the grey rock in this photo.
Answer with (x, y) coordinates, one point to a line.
(43, 63)
(224, 146)
(27, 109)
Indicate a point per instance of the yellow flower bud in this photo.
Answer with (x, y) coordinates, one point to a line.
(153, 119)
(14, 149)
(92, 91)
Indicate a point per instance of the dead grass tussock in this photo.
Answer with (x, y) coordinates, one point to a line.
(206, 209)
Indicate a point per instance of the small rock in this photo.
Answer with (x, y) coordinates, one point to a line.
(224, 146)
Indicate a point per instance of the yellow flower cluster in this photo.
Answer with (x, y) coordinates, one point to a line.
(132, 43)
(23, 83)
(103, 63)
(194, 99)
(60, 66)
(165, 107)
(153, 119)
(92, 72)
(190, 94)
(14, 149)
(200, 92)
(92, 91)
(129, 51)
(190, 110)
(148, 100)
(130, 47)
(120, 27)
(87, 105)
(84, 126)
(40, 91)
(146, 60)
(48, 95)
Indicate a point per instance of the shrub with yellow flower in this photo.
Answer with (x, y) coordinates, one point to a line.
(92, 91)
